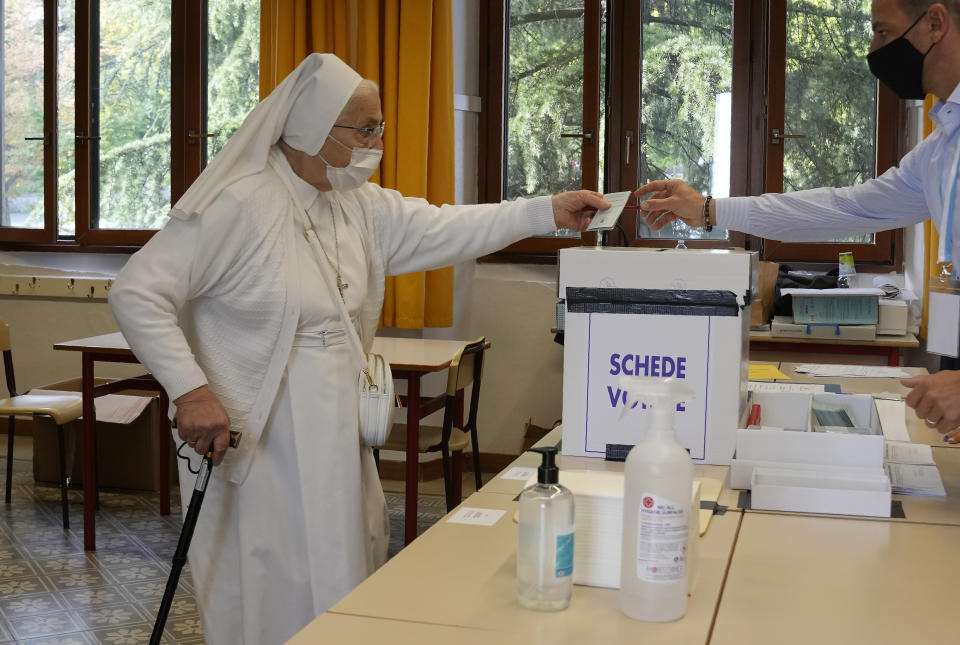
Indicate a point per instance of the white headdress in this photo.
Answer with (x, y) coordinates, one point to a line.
(302, 109)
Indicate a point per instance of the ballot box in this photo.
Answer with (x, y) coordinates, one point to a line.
(683, 313)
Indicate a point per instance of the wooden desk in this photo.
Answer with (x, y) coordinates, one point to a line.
(798, 580)
(339, 628)
(112, 348)
(888, 346)
(409, 358)
(465, 576)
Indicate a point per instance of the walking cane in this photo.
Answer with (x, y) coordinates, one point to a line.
(186, 535)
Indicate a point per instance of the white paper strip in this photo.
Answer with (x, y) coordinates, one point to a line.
(476, 516)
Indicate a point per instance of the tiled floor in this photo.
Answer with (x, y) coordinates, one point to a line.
(51, 591)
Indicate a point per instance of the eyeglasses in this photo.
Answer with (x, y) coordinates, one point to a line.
(370, 133)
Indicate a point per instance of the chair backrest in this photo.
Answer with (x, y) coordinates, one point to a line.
(7, 357)
(466, 368)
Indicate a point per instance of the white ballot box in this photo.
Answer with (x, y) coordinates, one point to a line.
(655, 312)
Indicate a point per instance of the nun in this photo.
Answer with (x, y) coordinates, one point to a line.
(228, 309)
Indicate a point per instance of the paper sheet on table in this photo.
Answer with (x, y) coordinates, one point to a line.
(709, 492)
(803, 388)
(899, 452)
(112, 408)
(607, 218)
(860, 291)
(763, 372)
(855, 371)
(910, 479)
(893, 419)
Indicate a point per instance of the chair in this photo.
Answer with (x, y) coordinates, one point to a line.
(465, 369)
(61, 408)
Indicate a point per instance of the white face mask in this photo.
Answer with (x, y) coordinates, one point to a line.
(363, 161)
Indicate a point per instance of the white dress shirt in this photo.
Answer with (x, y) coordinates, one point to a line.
(914, 191)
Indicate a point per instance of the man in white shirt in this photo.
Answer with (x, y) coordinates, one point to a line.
(915, 51)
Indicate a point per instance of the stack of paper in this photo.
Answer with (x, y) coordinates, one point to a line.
(851, 371)
(912, 470)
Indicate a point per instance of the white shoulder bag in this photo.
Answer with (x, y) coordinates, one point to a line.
(375, 379)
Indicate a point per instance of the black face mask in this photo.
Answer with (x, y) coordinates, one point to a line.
(899, 65)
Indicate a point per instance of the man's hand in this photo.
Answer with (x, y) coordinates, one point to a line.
(672, 199)
(568, 208)
(936, 399)
(203, 422)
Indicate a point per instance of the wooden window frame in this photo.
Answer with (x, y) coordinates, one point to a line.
(886, 253)
(624, 54)
(187, 33)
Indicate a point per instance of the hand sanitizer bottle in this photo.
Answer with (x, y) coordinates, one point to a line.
(658, 482)
(545, 542)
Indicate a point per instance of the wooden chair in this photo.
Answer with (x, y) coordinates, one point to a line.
(61, 408)
(465, 369)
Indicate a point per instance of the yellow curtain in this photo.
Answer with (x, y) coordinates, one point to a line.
(392, 42)
(931, 239)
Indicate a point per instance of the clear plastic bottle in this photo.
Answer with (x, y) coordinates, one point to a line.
(545, 540)
(658, 484)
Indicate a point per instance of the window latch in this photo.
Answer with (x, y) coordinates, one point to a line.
(586, 135)
(193, 137)
(776, 137)
(82, 139)
(45, 138)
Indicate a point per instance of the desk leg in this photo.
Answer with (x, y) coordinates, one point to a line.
(164, 453)
(413, 458)
(893, 357)
(89, 447)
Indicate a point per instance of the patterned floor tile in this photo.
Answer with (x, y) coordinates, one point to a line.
(76, 638)
(20, 586)
(79, 579)
(139, 572)
(9, 552)
(184, 628)
(70, 563)
(148, 525)
(117, 543)
(111, 615)
(146, 590)
(84, 597)
(59, 547)
(19, 568)
(134, 556)
(138, 634)
(183, 606)
(61, 622)
(28, 605)
(5, 635)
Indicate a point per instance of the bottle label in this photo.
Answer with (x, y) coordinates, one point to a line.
(565, 555)
(662, 533)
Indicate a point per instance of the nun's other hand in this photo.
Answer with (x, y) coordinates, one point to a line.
(203, 422)
(568, 208)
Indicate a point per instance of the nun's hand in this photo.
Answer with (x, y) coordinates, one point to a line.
(568, 208)
(203, 422)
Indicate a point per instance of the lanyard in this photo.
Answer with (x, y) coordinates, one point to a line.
(949, 206)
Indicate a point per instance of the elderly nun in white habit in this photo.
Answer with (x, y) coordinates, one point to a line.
(228, 308)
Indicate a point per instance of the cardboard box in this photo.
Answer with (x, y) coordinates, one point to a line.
(835, 492)
(761, 309)
(786, 436)
(784, 327)
(126, 453)
(625, 330)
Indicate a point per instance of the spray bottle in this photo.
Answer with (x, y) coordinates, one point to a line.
(545, 539)
(658, 480)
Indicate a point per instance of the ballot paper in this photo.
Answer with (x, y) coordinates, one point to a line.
(893, 419)
(763, 371)
(900, 452)
(606, 219)
(476, 516)
(911, 479)
(802, 388)
(855, 371)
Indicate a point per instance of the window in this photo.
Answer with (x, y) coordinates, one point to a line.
(657, 89)
(105, 106)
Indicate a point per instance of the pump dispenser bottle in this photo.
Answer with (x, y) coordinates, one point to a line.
(545, 542)
(658, 482)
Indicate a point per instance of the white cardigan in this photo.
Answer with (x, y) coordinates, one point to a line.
(212, 299)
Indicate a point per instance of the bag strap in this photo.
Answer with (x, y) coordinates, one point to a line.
(314, 242)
